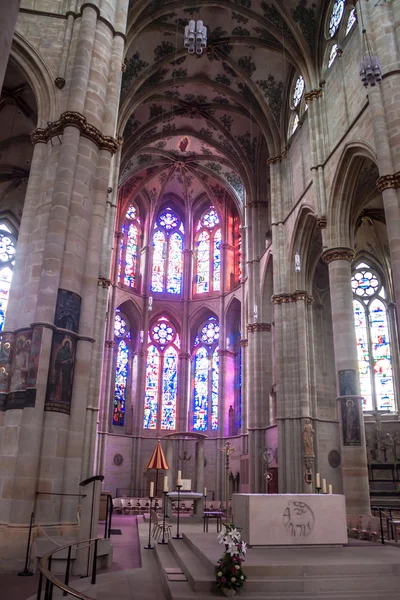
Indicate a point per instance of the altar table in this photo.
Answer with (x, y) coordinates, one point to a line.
(290, 519)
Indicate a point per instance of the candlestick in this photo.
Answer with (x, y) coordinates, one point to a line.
(330, 489)
(317, 480)
(179, 480)
(165, 489)
(149, 546)
(178, 536)
(165, 492)
(324, 486)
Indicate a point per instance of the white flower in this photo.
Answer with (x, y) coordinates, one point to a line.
(241, 577)
(237, 567)
(219, 573)
(233, 579)
(243, 548)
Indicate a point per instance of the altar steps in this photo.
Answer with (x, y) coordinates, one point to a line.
(354, 579)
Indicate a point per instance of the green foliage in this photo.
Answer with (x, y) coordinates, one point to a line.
(240, 32)
(305, 18)
(179, 73)
(223, 79)
(239, 18)
(226, 121)
(244, 3)
(162, 50)
(134, 66)
(273, 91)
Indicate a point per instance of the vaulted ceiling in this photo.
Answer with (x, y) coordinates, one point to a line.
(196, 125)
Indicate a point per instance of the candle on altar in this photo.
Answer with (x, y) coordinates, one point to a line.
(151, 495)
(165, 484)
(205, 491)
(179, 481)
(330, 488)
(324, 486)
(317, 480)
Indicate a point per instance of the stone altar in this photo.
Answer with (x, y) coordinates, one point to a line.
(290, 519)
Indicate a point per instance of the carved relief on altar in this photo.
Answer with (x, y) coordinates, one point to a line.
(298, 519)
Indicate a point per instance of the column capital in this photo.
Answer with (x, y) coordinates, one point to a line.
(103, 282)
(243, 343)
(340, 253)
(277, 159)
(287, 298)
(75, 119)
(109, 344)
(386, 182)
(253, 327)
(312, 95)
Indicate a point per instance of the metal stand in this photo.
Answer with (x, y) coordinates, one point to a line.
(164, 517)
(178, 536)
(318, 490)
(149, 546)
(26, 572)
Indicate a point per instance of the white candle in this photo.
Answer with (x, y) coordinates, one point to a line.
(317, 480)
(165, 483)
(179, 481)
(324, 486)
(151, 489)
(330, 489)
(205, 491)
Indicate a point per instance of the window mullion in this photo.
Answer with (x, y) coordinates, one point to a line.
(159, 396)
(371, 357)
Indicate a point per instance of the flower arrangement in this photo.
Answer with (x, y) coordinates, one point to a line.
(229, 571)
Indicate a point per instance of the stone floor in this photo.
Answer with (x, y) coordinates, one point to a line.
(359, 571)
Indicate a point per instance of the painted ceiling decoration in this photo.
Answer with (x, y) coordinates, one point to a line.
(196, 125)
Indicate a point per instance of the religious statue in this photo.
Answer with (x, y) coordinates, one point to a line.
(396, 442)
(351, 423)
(20, 366)
(390, 449)
(308, 440)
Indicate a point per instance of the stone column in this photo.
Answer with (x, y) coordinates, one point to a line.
(199, 476)
(8, 19)
(352, 436)
(43, 445)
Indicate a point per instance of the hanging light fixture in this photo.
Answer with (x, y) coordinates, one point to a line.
(370, 69)
(195, 37)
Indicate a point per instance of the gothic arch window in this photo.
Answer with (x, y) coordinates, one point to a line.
(167, 253)
(206, 377)
(373, 339)
(161, 376)
(296, 104)
(336, 17)
(332, 54)
(351, 20)
(8, 245)
(128, 264)
(122, 336)
(208, 241)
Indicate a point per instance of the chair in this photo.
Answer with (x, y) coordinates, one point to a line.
(363, 524)
(157, 529)
(352, 526)
(374, 529)
(117, 505)
(126, 505)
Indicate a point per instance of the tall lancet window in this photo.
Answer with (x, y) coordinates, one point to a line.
(208, 253)
(122, 338)
(373, 339)
(7, 258)
(161, 376)
(206, 377)
(167, 253)
(129, 249)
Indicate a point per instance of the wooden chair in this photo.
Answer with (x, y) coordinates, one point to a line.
(126, 505)
(117, 505)
(374, 529)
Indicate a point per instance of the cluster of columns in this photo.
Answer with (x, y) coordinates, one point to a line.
(64, 246)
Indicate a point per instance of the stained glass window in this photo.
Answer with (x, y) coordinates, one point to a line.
(373, 340)
(298, 91)
(167, 254)
(336, 17)
(332, 55)
(351, 20)
(121, 379)
(295, 123)
(208, 244)
(129, 248)
(7, 256)
(161, 376)
(206, 377)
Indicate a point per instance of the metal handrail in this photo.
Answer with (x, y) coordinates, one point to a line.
(52, 580)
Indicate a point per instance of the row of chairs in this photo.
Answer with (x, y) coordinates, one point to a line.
(363, 527)
(127, 505)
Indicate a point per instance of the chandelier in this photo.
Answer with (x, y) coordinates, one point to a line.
(370, 70)
(195, 37)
